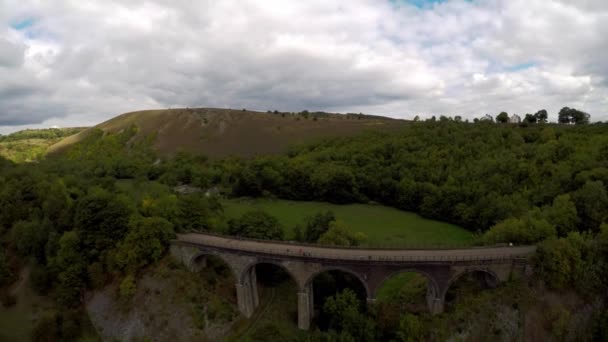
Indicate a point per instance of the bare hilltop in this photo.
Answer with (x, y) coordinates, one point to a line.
(219, 133)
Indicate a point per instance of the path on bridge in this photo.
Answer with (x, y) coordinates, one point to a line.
(288, 249)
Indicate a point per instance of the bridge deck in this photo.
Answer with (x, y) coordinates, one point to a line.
(287, 249)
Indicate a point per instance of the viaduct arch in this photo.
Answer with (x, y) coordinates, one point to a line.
(371, 266)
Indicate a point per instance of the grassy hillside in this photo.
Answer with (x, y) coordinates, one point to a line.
(383, 226)
(31, 144)
(219, 133)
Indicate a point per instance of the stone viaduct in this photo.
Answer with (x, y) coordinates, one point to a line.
(371, 266)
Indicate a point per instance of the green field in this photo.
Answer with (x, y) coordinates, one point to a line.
(383, 226)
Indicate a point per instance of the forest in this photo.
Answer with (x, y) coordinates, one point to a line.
(101, 212)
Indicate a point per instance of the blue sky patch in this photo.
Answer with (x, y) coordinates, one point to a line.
(23, 24)
(520, 67)
(422, 4)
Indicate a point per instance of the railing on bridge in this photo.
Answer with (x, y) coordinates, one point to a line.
(305, 252)
(472, 243)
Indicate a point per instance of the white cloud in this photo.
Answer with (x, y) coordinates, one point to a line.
(75, 62)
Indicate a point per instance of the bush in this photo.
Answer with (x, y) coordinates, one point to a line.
(47, 328)
(71, 324)
(557, 261)
(317, 225)
(41, 279)
(5, 272)
(410, 328)
(7, 299)
(339, 235)
(127, 288)
(600, 326)
(269, 332)
(145, 243)
(257, 225)
(97, 276)
(344, 313)
(523, 230)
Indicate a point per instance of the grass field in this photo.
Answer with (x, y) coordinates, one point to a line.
(383, 226)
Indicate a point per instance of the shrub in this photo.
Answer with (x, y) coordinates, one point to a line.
(46, 328)
(41, 279)
(97, 276)
(7, 299)
(523, 230)
(410, 328)
(557, 261)
(127, 288)
(5, 272)
(258, 225)
(269, 332)
(145, 243)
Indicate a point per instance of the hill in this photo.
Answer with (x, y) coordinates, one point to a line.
(31, 144)
(219, 133)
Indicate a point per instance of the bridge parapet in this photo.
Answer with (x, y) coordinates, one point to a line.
(309, 251)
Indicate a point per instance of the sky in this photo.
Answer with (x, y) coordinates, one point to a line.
(78, 63)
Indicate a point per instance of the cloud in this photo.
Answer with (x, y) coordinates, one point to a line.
(75, 63)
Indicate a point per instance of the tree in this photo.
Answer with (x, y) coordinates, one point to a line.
(525, 230)
(334, 183)
(564, 116)
(69, 252)
(5, 272)
(47, 328)
(20, 195)
(570, 115)
(591, 202)
(557, 262)
(317, 226)
(30, 238)
(344, 312)
(101, 220)
(72, 282)
(503, 117)
(196, 212)
(562, 214)
(410, 328)
(541, 116)
(145, 243)
(530, 119)
(41, 278)
(72, 265)
(580, 118)
(257, 225)
(338, 235)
